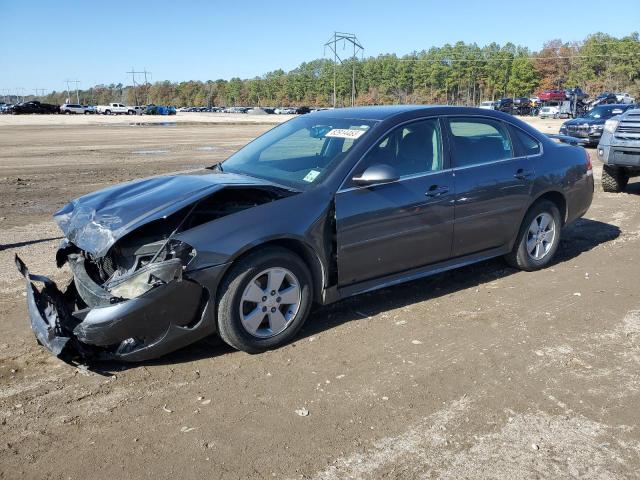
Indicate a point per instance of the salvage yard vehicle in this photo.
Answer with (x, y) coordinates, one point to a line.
(619, 150)
(549, 111)
(320, 208)
(34, 106)
(74, 108)
(552, 95)
(115, 109)
(591, 125)
(625, 98)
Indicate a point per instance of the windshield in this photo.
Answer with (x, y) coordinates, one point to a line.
(299, 152)
(604, 112)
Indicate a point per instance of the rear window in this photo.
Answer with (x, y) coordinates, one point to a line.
(527, 144)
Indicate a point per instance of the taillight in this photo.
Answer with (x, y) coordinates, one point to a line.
(589, 164)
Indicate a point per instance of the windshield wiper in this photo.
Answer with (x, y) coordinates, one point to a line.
(217, 166)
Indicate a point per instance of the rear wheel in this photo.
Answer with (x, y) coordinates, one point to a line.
(614, 179)
(107, 112)
(538, 238)
(264, 300)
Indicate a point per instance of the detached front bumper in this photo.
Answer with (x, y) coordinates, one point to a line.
(157, 322)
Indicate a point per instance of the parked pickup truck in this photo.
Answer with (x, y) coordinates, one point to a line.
(619, 150)
(115, 109)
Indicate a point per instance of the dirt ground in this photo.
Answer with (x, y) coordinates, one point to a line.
(483, 372)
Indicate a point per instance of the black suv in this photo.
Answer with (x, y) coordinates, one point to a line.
(504, 105)
(591, 125)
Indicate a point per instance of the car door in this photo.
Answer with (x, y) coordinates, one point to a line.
(396, 226)
(492, 184)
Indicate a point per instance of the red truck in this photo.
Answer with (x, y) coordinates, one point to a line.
(552, 95)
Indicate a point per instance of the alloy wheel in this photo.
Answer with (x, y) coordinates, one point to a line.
(540, 236)
(270, 302)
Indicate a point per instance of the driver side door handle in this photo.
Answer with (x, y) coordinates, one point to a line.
(521, 174)
(437, 190)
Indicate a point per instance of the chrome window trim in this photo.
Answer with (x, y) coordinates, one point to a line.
(502, 160)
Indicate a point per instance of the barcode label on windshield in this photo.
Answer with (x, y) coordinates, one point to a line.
(344, 133)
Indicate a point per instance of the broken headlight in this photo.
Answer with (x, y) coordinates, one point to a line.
(164, 266)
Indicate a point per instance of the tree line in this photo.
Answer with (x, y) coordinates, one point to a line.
(462, 74)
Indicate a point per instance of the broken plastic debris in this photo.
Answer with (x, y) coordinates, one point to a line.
(164, 407)
(303, 412)
(187, 429)
(416, 342)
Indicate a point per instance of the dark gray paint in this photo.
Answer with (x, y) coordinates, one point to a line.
(382, 234)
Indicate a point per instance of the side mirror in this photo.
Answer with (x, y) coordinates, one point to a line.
(380, 173)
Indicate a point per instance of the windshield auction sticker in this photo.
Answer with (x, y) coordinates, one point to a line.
(311, 176)
(344, 133)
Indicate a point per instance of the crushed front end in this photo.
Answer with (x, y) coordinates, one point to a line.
(120, 306)
(138, 290)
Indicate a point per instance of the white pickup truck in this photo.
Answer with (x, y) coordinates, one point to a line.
(115, 109)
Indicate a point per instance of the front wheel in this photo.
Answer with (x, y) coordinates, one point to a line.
(264, 300)
(538, 238)
(614, 179)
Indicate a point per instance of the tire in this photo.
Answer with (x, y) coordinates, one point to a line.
(86, 112)
(521, 257)
(130, 112)
(614, 179)
(233, 305)
(107, 112)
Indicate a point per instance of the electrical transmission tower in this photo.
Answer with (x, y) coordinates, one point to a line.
(67, 81)
(146, 83)
(347, 39)
(133, 74)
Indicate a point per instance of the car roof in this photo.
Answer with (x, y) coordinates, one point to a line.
(383, 112)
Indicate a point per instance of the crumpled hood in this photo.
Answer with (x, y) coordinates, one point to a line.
(96, 221)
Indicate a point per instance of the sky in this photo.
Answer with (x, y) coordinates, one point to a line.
(42, 43)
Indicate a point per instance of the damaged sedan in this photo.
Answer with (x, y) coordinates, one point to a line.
(320, 208)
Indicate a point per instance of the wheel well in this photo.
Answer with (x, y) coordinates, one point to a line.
(558, 199)
(303, 251)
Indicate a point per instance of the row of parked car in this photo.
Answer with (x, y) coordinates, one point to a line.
(37, 107)
(269, 110)
(557, 103)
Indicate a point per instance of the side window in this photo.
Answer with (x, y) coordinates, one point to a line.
(528, 144)
(479, 140)
(411, 149)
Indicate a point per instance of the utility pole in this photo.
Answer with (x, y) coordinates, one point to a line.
(133, 78)
(68, 82)
(345, 38)
(146, 83)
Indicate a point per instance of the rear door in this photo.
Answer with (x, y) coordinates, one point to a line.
(393, 227)
(493, 182)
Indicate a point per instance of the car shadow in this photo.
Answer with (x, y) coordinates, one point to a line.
(579, 237)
